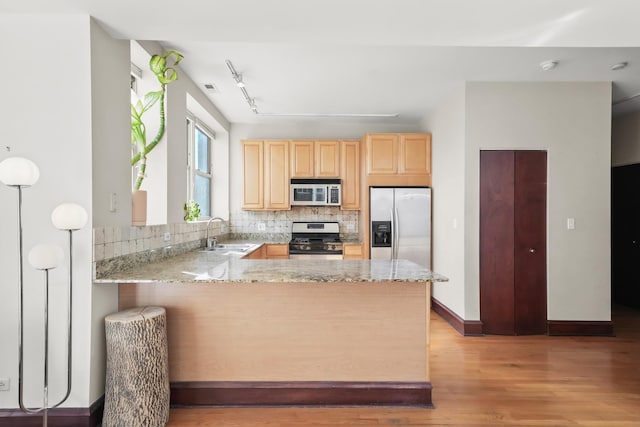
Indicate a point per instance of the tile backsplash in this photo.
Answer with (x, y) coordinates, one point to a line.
(112, 242)
(251, 222)
(118, 248)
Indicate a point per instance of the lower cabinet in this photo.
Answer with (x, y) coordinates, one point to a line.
(270, 251)
(260, 253)
(277, 251)
(352, 251)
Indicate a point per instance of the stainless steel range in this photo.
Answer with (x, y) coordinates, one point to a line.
(315, 240)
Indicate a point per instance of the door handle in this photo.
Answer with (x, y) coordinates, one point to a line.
(393, 234)
(532, 251)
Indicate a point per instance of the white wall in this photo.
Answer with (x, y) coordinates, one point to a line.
(625, 139)
(168, 186)
(46, 116)
(447, 126)
(110, 67)
(572, 121)
(111, 136)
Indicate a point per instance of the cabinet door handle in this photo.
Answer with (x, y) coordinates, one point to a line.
(532, 251)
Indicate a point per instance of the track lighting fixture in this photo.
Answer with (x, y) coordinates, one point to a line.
(240, 83)
(237, 77)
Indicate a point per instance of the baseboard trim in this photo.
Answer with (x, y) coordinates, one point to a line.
(580, 328)
(464, 327)
(58, 417)
(300, 393)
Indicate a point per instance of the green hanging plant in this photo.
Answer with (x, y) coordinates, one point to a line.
(140, 148)
(191, 211)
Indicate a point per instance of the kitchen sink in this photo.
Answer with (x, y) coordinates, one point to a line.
(232, 247)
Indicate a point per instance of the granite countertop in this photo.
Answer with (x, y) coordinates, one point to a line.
(213, 266)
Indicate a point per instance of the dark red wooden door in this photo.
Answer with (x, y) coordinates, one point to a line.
(530, 249)
(496, 242)
(513, 242)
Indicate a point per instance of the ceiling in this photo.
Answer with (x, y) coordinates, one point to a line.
(333, 59)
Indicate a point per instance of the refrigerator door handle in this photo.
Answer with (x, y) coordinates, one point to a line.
(396, 234)
(393, 234)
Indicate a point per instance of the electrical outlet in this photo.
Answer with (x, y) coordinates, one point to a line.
(167, 236)
(262, 226)
(351, 226)
(5, 384)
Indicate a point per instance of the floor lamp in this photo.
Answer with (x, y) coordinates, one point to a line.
(20, 173)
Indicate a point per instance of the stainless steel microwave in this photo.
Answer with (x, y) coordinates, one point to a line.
(315, 192)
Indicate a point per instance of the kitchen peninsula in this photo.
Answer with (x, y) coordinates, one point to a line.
(289, 332)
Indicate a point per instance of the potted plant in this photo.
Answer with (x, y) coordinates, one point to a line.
(165, 74)
(191, 211)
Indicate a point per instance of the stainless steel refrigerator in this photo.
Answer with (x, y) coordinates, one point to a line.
(400, 224)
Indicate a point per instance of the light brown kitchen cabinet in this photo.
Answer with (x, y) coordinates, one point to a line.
(327, 156)
(350, 174)
(260, 253)
(253, 175)
(315, 159)
(414, 155)
(277, 251)
(382, 154)
(270, 251)
(276, 175)
(265, 166)
(398, 154)
(302, 159)
(352, 251)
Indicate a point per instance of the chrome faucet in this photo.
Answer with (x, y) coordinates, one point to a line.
(212, 241)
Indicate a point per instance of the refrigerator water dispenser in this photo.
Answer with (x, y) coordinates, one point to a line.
(381, 234)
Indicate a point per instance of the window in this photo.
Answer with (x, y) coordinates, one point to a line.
(200, 174)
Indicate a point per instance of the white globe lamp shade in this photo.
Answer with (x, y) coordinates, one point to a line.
(45, 257)
(18, 171)
(69, 216)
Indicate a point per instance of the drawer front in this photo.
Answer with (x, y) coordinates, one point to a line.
(279, 251)
(352, 251)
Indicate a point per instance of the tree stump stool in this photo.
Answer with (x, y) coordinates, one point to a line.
(137, 380)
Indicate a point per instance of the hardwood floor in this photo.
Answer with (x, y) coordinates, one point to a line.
(491, 381)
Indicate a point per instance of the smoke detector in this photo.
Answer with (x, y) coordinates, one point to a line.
(548, 65)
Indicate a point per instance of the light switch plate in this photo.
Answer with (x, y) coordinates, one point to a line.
(571, 223)
(5, 384)
(113, 202)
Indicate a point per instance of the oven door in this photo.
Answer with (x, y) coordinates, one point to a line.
(308, 195)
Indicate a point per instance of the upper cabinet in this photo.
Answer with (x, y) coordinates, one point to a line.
(276, 175)
(315, 159)
(398, 158)
(414, 154)
(404, 153)
(252, 175)
(327, 155)
(265, 168)
(350, 174)
(382, 154)
(302, 159)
